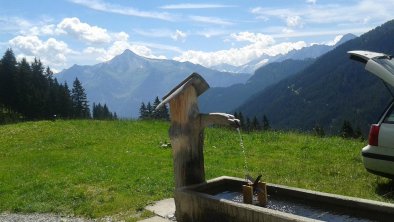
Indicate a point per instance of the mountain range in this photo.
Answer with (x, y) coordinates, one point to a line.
(312, 51)
(227, 99)
(330, 90)
(127, 80)
(308, 87)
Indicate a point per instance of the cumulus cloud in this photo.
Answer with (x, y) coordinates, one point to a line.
(179, 36)
(121, 36)
(52, 52)
(253, 37)
(294, 21)
(48, 30)
(117, 47)
(84, 31)
(311, 1)
(260, 44)
(335, 40)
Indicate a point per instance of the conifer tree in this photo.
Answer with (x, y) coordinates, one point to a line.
(266, 124)
(7, 80)
(143, 111)
(149, 110)
(24, 88)
(255, 124)
(161, 113)
(156, 113)
(102, 112)
(241, 119)
(65, 109)
(318, 131)
(247, 126)
(347, 130)
(79, 100)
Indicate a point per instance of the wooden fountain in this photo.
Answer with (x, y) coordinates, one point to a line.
(200, 200)
(187, 129)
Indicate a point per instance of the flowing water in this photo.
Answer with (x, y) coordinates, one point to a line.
(241, 143)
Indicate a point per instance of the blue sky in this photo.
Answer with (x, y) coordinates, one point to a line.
(66, 32)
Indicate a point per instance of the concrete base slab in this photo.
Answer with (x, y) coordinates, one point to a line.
(155, 219)
(163, 208)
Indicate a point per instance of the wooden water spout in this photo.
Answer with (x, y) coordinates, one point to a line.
(187, 129)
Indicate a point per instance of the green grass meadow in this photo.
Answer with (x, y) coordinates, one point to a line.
(95, 169)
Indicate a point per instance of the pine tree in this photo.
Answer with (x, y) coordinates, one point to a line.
(38, 105)
(102, 112)
(65, 108)
(236, 115)
(156, 113)
(247, 126)
(149, 110)
(165, 113)
(29, 91)
(80, 102)
(357, 133)
(318, 131)
(7, 80)
(347, 130)
(255, 124)
(161, 113)
(143, 111)
(241, 119)
(266, 124)
(24, 88)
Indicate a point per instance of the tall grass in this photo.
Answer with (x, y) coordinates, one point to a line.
(100, 168)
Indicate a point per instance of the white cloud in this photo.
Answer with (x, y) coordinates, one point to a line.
(179, 36)
(51, 52)
(210, 20)
(84, 31)
(116, 48)
(353, 14)
(252, 37)
(260, 44)
(48, 30)
(311, 1)
(208, 33)
(121, 36)
(294, 21)
(195, 6)
(12, 24)
(335, 40)
(107, 7)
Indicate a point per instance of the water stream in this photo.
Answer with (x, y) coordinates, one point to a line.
(241, 143)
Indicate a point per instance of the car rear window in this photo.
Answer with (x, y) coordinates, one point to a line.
(390, 116)
(387, 63)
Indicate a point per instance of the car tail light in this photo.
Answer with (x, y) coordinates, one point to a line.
(373, 138)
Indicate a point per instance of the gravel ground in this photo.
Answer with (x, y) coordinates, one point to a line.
(12, 217)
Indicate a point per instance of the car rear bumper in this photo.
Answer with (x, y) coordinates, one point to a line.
(379, 160)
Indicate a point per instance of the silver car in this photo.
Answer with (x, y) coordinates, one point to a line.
(378, 155)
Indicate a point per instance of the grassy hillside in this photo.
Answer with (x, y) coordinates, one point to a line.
(101, 168)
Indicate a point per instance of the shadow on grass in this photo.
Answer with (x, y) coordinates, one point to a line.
(385, 188)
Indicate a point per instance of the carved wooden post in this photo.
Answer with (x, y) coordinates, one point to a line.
(187, 133)
(187, 129)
